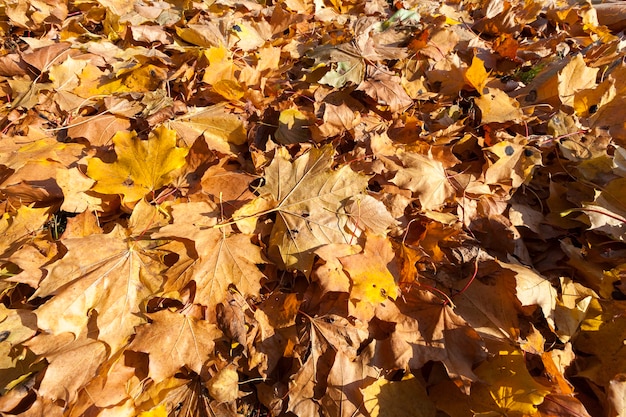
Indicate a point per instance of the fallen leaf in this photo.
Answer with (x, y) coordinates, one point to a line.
(382, 397)
(309, 197)
(497, 107)
(521, 394)
(142, 166)
(173, 340)
(371, 281)
(222, 257)
(426, 177)
(109, 286)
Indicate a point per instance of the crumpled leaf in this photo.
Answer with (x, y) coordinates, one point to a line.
(346, 65)
(224, 386)
(387, 91)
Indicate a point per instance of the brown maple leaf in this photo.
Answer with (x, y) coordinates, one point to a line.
(222, 257)
(107, 285)
(427, 330)
(173, 340)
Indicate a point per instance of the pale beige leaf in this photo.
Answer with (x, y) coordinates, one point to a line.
(574, 77)
(425, 176)
(309, 197)
(533, 289)
(106, 278)
(497, 107)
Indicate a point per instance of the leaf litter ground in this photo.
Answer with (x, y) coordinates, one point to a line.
(312, 208)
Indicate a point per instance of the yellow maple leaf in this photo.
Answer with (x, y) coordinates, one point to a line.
(221, 65)
(476, 75)
(20, 227)
(142, 166)
(510, 385)
(497, 107)
(372, 282)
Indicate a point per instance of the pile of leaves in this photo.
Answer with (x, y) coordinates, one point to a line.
(312, 207)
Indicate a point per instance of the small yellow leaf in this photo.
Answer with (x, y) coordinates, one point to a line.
(497, 107)
(230, 90)
(221, 65)
(476, 75)
(159, 411)
(371, 280)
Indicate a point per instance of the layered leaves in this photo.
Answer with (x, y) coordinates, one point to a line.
(312, 208)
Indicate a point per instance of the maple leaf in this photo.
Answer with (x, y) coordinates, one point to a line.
(497, 107)
(383, 396)
(425, 176)
(338, 333)
(515, 163)
(223, 257)
(371, 281)
(387, 91)
(490, 308)
(308, 197)
(108, 286)
(223, 387)
(347, 66)
(533, 289)
(512, 395)
(220, 129)
(173, 340)
(426, 330)
(606, 213)
(302, 390)
(399, 130)
(142, 166)
(72, 363)
(343, 396)
(330, 337)
(20, 227)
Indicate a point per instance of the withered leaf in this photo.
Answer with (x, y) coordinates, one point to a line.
(173, 340)
(309, 197)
